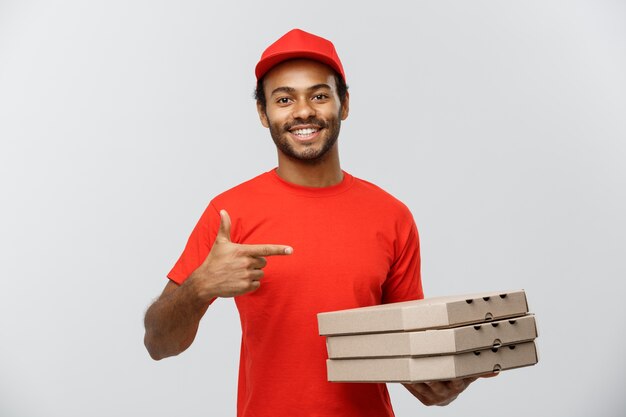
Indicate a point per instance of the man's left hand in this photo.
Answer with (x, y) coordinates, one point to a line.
(441, 392)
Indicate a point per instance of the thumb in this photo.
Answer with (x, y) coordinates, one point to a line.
(223, 235)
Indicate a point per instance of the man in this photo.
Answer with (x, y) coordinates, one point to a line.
(350, 244)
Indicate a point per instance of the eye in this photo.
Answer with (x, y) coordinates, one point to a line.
(283, 100)
(320, 96)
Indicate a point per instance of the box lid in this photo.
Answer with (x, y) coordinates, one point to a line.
(433, 342)
(432, 368)
(429, 313)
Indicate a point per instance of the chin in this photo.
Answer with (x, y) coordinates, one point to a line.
(310, 154)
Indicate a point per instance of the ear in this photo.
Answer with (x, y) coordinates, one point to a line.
(345, 107)
(262, 116)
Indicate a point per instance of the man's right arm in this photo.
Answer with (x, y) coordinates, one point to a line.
(230, 269)
(172, 321)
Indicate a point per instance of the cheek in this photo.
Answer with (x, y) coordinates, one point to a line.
(273, 122)
(274, 118)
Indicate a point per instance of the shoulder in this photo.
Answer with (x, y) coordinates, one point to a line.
(381, 199)
(234, 197)
(256, 185)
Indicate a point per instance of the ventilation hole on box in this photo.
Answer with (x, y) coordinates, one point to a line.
(486, 298)
(494, 349)
(497, 368)
(512, 321)
(469, 301)
(477, 353)
(488, 317)
(512, 347)
(495, 324)
(477, 327)
(497, 343)
(502, 295)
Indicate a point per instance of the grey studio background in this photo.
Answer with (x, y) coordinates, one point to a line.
(499, 123)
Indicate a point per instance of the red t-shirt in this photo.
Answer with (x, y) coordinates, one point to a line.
(354, 246)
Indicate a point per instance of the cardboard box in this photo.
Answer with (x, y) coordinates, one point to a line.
(432, 368)
(434, 342)
(429, 313)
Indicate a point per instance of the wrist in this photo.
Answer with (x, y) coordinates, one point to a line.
(196, 290)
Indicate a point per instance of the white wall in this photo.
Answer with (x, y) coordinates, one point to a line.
(499, 123)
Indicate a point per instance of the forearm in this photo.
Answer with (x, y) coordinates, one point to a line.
(171, 322)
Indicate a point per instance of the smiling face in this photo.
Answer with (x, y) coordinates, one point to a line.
(303, 110)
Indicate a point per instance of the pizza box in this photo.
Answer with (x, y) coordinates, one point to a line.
(434, 342)
(428, 313)
(432, 368)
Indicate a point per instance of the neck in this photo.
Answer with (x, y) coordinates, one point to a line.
(324, 173)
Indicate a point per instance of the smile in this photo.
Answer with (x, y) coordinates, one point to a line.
(305, 133)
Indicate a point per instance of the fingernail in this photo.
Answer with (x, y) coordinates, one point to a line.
(288, 251)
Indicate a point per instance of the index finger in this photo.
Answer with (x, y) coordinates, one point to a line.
(265, 250)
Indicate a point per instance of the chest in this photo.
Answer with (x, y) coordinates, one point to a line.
(342, 256)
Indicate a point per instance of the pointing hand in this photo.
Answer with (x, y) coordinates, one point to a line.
(232, 269)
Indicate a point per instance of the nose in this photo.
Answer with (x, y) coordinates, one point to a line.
(303, 110)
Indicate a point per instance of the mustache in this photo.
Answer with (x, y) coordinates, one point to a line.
(310, 121)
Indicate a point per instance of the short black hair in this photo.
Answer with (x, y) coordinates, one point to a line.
(342, 90)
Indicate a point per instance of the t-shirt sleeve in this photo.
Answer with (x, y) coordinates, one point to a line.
(198, 245)
(404, 281)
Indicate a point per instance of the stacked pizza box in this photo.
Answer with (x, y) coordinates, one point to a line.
(432, 339)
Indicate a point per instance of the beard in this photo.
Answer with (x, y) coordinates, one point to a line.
(313, 153)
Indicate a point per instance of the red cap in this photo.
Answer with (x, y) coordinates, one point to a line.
(299, 44)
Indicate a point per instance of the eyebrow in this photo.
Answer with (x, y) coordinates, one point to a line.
(293, 90)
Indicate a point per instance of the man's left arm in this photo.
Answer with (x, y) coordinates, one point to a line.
(404, 283)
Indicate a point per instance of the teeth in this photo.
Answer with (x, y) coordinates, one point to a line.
(304, 132)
